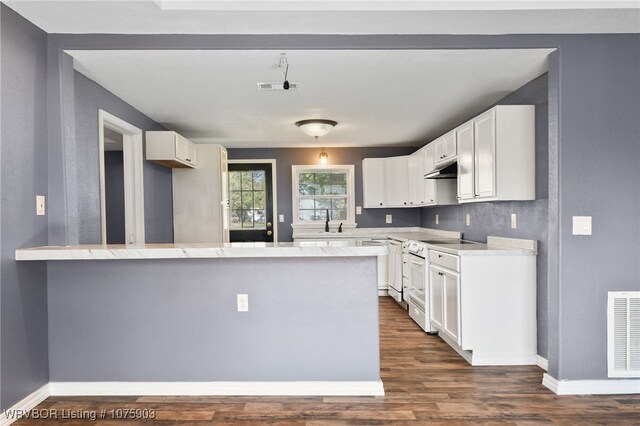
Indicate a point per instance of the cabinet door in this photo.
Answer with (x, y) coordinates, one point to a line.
(465, 161)
(416, 179)
(429, 192)
(450, 146)
(182, 148)
(429, 160)
(485, 154)
(440, 150)
(446, 147)
(451, 298)
(396, 181)
(436, 293)
(373, 182)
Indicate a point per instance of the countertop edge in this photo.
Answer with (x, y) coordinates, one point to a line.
(38, 254)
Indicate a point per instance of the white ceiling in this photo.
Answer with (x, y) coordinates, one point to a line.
(378, 97)
(332, 17)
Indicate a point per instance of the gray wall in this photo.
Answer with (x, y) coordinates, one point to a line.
(287, 157)
(141, 320)
(599, 167)
(23, 175)
(593, 169)
(532, 216)
(89, 97)
(593, 104)
(114, 196)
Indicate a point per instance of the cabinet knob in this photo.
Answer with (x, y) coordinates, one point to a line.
(439, 256)
(380, 203)
(405, 202)
(440, 273)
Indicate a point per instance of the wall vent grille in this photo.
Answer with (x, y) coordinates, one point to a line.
(275, 86)
(623, 334)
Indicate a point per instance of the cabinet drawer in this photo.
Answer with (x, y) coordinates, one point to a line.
(418, 315)
(444, 260)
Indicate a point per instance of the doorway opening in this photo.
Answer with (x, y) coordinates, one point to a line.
(252, 201)
(121, 181)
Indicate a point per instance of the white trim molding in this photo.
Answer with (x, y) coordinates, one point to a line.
(542, 363)
(133, 165)
(591, 387)
(23, 406)
(350, 388)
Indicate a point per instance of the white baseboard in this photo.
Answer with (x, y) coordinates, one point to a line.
(503, 359)
(28, 403)
(542, 363)
(591, 387)
(383, 292)
(368, 388)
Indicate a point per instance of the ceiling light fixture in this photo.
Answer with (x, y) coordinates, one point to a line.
(316, 127)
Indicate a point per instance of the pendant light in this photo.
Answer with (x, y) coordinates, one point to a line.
(324, 157)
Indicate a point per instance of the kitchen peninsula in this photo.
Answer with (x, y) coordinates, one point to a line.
(163, 319)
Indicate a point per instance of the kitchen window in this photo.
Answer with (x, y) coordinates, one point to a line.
(321, 189)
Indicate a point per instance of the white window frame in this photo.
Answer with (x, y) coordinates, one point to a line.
(351, 195)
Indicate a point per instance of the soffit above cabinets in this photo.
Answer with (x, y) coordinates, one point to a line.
(331, 17)
(378, 97)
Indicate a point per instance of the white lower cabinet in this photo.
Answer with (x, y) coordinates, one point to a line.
(485, 306)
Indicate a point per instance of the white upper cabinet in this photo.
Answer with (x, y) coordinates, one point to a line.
(429, 158)
(416, 179)
(465, 161)
(373, 182)
(445, 148)
(484, 128)
(396, 179)
(500, 163)
(170, 149)
(385, 182)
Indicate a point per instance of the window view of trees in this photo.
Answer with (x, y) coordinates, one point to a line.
(247, 193)
(322, 191)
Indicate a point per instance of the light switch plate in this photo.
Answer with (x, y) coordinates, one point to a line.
(437, 219)
(581, 225)
(467, 219)
(40, 205)
(514, 222)
(358, 209)
(281, 218)
(389, 219)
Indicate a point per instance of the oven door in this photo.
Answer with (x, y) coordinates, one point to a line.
(418, 286)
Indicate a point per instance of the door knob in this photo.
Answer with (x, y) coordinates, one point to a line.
(269, 233)
(268, 224)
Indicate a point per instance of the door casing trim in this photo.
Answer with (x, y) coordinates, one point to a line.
(133, 159)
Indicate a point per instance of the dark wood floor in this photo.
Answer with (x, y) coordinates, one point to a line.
(425, 381)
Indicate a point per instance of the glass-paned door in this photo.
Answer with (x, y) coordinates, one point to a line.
(250, 201)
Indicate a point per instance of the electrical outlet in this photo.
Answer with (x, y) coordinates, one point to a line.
(467, 219)
(437, 219)
(243, 303)
(514, 223)
(358, 209)
(581, 225)
(40, 205)
(281, 218)
(389, 219)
